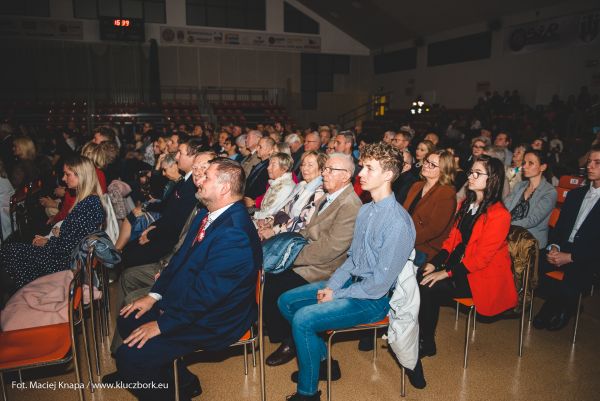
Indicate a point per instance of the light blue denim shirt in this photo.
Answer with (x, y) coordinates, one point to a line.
(384, 237)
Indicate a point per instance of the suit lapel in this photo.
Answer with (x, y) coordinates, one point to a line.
(589, 219)
(215, 224)
(424, 199)
(320, 216)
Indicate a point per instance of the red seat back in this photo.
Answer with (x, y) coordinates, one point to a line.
(571, 181)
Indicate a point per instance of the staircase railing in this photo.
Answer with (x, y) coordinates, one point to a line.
(375, 107)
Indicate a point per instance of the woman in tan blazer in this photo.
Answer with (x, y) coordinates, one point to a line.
(431, 202)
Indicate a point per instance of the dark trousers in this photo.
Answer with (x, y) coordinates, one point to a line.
(432, 298)
(564, 294)
(135, 254)
(276, 284)
(151, 365)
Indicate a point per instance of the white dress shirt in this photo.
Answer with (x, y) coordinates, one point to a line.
(589, 201)
(329, 198)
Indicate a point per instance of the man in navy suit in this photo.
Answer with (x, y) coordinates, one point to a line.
(573, 248)
(205, 297)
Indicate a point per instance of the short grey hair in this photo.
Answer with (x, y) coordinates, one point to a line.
(284, 160)
(292, 138)
(283, 147)
(496, 152)
(410, 156)
(241, 140)
(483, 139)
(347, 159)
(169, 159)
(349, 136)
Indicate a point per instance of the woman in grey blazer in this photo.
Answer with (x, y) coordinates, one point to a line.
(531, 201)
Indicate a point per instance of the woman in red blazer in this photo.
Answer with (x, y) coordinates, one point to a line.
(474, 260)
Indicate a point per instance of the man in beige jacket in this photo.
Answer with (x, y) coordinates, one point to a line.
(329, 235)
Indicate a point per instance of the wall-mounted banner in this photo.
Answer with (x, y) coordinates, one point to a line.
(40, 28)
(572, 30)
(239, 40)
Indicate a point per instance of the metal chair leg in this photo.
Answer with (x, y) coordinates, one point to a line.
(522, 321)
(374, 344)
(75, 359)
(261, 356)
(86, 346)
(176, 378)
(4, 396)
(577, 317)
(329, 366)
(245, 346)
(457, 307)
(253, 345)
(469, 316)
(93, 323)
(402, 382)
(531, 305)
(474, 318)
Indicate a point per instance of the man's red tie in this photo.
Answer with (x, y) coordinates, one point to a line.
(201, 231)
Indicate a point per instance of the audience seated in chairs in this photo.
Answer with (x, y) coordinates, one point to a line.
(573, 248)
(160, 237)
(22, 263)
(142, 216)
(98, 156)
(423, 148)
(329, 234)
(478, 147)
(281, 185)
(301, 203)
(30, 166)
(6, 192)
(358, 291)
(251, 144)
(258, 178)
(431, 203)
(531, 201)
(204, 299)
(514, 171)
(474, 260)
(406, 178)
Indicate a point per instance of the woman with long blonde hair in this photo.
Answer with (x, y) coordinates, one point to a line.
(22, 263)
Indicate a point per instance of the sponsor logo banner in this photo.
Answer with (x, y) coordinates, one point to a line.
(239, 40)
(571, 30)
(40, 28)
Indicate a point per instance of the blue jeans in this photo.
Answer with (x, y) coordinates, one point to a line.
(309, 318)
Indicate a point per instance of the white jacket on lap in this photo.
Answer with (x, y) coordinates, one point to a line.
(403, 329)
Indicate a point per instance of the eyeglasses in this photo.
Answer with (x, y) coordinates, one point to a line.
(430, 165)
(476, 174)
(329, 170)
(478, 146)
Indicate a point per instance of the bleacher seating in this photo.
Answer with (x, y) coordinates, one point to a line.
(249, 112)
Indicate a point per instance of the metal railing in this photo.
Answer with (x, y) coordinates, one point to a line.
(376, 106)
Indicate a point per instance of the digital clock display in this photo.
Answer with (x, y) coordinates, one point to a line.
(129, 29)
(122, 22)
